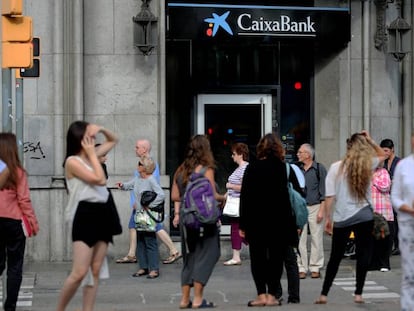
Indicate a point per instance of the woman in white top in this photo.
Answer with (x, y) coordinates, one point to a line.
(348, 187)
(402, 197)
(86, 209)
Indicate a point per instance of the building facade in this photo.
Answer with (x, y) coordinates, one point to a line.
(313, 71)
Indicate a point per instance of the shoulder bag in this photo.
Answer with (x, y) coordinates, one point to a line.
(297, 202)
(232, 206)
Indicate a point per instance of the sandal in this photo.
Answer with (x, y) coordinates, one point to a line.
(256, 303)
(273, 301)
(173, 258)
(153, 274)
(140, 272)
(127, 259)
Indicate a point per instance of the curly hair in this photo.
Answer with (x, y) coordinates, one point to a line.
(198, 152)
(241, 148)
(357, 165)
(270, 146)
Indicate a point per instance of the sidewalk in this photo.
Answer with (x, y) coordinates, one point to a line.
(229, 288)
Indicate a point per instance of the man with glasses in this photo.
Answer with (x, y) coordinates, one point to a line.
(315, 174)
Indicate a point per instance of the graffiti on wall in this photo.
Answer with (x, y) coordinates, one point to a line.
(34, 150)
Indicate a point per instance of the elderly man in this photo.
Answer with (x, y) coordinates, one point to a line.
(315, 174)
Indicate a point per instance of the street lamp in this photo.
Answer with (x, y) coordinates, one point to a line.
(145, 30)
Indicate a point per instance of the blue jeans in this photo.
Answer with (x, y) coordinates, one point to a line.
(147, 251)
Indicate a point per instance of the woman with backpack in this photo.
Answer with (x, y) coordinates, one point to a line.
(200, 246)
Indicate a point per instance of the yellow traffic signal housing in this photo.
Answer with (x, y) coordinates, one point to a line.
(16, 29)
(17, 55)
(17, 49)
(11, 7)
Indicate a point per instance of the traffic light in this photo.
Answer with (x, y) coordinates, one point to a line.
(11, 7)
(34, 71)
(17, 50)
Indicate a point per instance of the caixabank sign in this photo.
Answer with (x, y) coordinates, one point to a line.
(227, 22)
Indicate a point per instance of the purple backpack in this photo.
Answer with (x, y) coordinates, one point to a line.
(199, 207)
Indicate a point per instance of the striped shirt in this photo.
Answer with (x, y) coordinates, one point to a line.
(380, 193)
(236, 178)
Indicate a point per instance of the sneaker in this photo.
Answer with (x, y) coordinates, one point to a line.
(384, 269)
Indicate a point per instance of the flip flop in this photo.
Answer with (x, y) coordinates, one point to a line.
(188, 306)
(275, 303)
(255, 303)
(204, 305)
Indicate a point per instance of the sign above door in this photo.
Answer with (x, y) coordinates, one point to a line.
(220, 22)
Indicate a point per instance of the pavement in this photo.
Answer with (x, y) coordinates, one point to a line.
(230, 288)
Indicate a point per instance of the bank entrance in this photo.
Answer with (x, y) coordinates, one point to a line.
(234, 73)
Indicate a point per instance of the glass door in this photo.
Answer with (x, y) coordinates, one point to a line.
(230, 118)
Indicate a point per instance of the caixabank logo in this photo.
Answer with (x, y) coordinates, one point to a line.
(217, 21)
(258, 25)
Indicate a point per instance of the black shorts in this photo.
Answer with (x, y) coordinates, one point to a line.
(92, 223)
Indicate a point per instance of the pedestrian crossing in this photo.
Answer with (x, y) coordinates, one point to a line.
(25, 294)
(371, 289)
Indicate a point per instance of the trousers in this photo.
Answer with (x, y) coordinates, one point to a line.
(316, 259)
(12, 246)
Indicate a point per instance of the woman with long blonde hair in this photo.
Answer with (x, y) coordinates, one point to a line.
(348, 187)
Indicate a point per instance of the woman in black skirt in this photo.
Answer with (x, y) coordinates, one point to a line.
(86, 209)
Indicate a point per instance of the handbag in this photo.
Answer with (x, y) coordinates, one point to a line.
(232, 207)
(381, 229)
(143, 221)
(156, 212)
